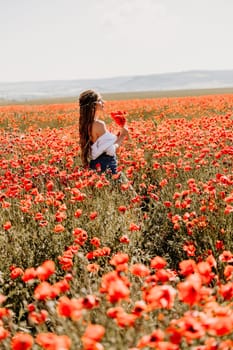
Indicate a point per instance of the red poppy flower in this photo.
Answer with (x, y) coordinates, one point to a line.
(7, 225)
(124, 239)
(139, 270)
(93, 268)
(119, 117)
(157, 263)
(226, 256)
(93, 215)
(78, 213)
(16, 272)
(22, 341)
(189, 290)
(29, 274)
(45, 270)
(58, 228)
(134, 227)
(53, 341)
(3, 333)
(160, 297)
(43, 291)
(95, 241)
(94, 332)
(119, 258)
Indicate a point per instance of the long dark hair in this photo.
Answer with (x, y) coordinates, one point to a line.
(87, 109)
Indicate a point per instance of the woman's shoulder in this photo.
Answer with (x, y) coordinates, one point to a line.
(99, 123)
(99, 126)
(98, 129)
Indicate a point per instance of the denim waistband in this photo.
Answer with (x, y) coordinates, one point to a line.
(104, 154)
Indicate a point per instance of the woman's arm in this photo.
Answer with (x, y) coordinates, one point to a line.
(124, 132)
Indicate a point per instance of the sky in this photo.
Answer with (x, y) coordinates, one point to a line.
(90, 39)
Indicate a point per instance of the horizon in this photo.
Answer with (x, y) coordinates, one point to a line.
(118, 76)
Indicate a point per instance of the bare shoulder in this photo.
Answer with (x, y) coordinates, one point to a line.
(98, 129)
(99, 126)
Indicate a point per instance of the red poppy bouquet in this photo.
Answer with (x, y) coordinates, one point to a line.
(119, 117)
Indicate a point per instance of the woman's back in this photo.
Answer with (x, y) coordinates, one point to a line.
(98, 129)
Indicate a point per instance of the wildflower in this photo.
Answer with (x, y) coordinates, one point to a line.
(50, 185)
(211, 261)
(157, 263)
(123, 319)
(78, 213)
(7, 225)
(60, 216)
(6, 204)
(95, 241)
(31, 307)
(187, 267)
(115, 287)
(3, 333)
(160, 297)
(228, 209)
(94, 332)
(139, 270)
(93, 268)
(228, 272)
(29, 274)
(58, 228)
(43, 291)
(119, 117)
(22, 341)
(189, 290)
(66, 260)
(226, 291)
(4, 312)
(16, 272)
(90, 301)
(219, 245)
(134, 227)
(90, 255)
(167, 204)
(80, 236)
(189, 248)
(53, 342)
(119, 258)
(124, 239)
(39, 216)
(45, 270)
(71, 308)
(60, 287)
(163, 183)
(164, 275)
(93, 215)
(139, 307)
(122, 208)
(38, 317)
(226, 256)
(106, 251)
(205, 272)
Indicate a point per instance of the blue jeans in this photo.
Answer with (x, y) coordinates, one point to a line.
(106, 162)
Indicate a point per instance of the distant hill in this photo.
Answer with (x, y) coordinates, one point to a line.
(188, 80)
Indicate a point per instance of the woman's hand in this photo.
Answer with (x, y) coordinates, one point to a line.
(125, 131)
(120, 137)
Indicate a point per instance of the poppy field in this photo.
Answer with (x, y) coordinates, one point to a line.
(143, 260)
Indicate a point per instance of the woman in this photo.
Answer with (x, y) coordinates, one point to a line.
(98, 145)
